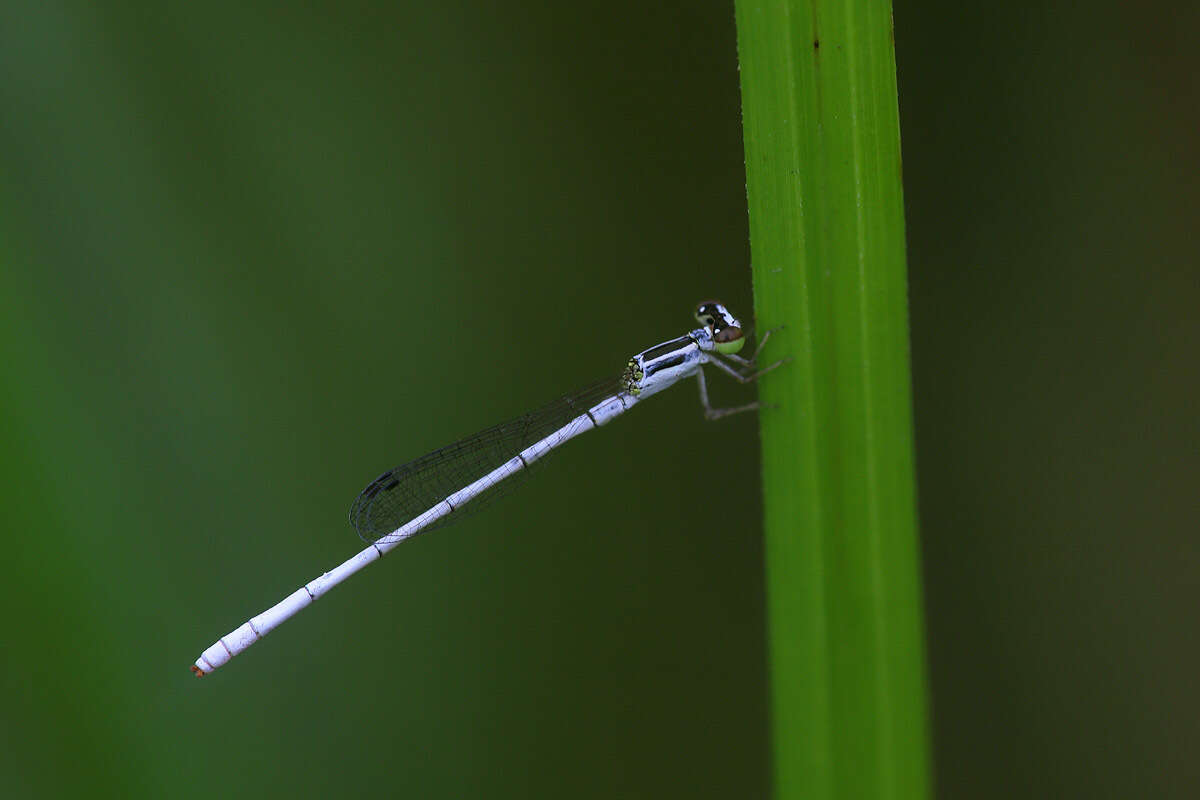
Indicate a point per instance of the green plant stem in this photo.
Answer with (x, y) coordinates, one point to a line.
(827, 236)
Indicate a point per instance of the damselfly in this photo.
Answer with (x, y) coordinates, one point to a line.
(448, 484)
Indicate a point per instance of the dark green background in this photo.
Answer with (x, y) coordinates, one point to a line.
(251, 257)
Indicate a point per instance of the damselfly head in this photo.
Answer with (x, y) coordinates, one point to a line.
(726, 330)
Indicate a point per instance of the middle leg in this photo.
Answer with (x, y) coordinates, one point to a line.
(717, 413)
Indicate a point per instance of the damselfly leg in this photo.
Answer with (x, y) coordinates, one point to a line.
(750, 362)
(738, 375)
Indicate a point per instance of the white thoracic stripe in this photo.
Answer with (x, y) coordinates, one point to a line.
(257, 627)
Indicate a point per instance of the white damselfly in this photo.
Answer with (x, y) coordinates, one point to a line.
(461, 478)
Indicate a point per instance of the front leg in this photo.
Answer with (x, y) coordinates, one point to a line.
(749, 362)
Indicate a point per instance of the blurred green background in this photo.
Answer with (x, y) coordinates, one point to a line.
(252, 256)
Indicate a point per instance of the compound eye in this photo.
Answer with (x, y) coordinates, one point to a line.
(728, 334)
(729, 340)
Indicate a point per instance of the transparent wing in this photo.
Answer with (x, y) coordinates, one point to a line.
(401, 494)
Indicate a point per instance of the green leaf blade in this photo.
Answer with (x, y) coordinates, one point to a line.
(827, 235)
